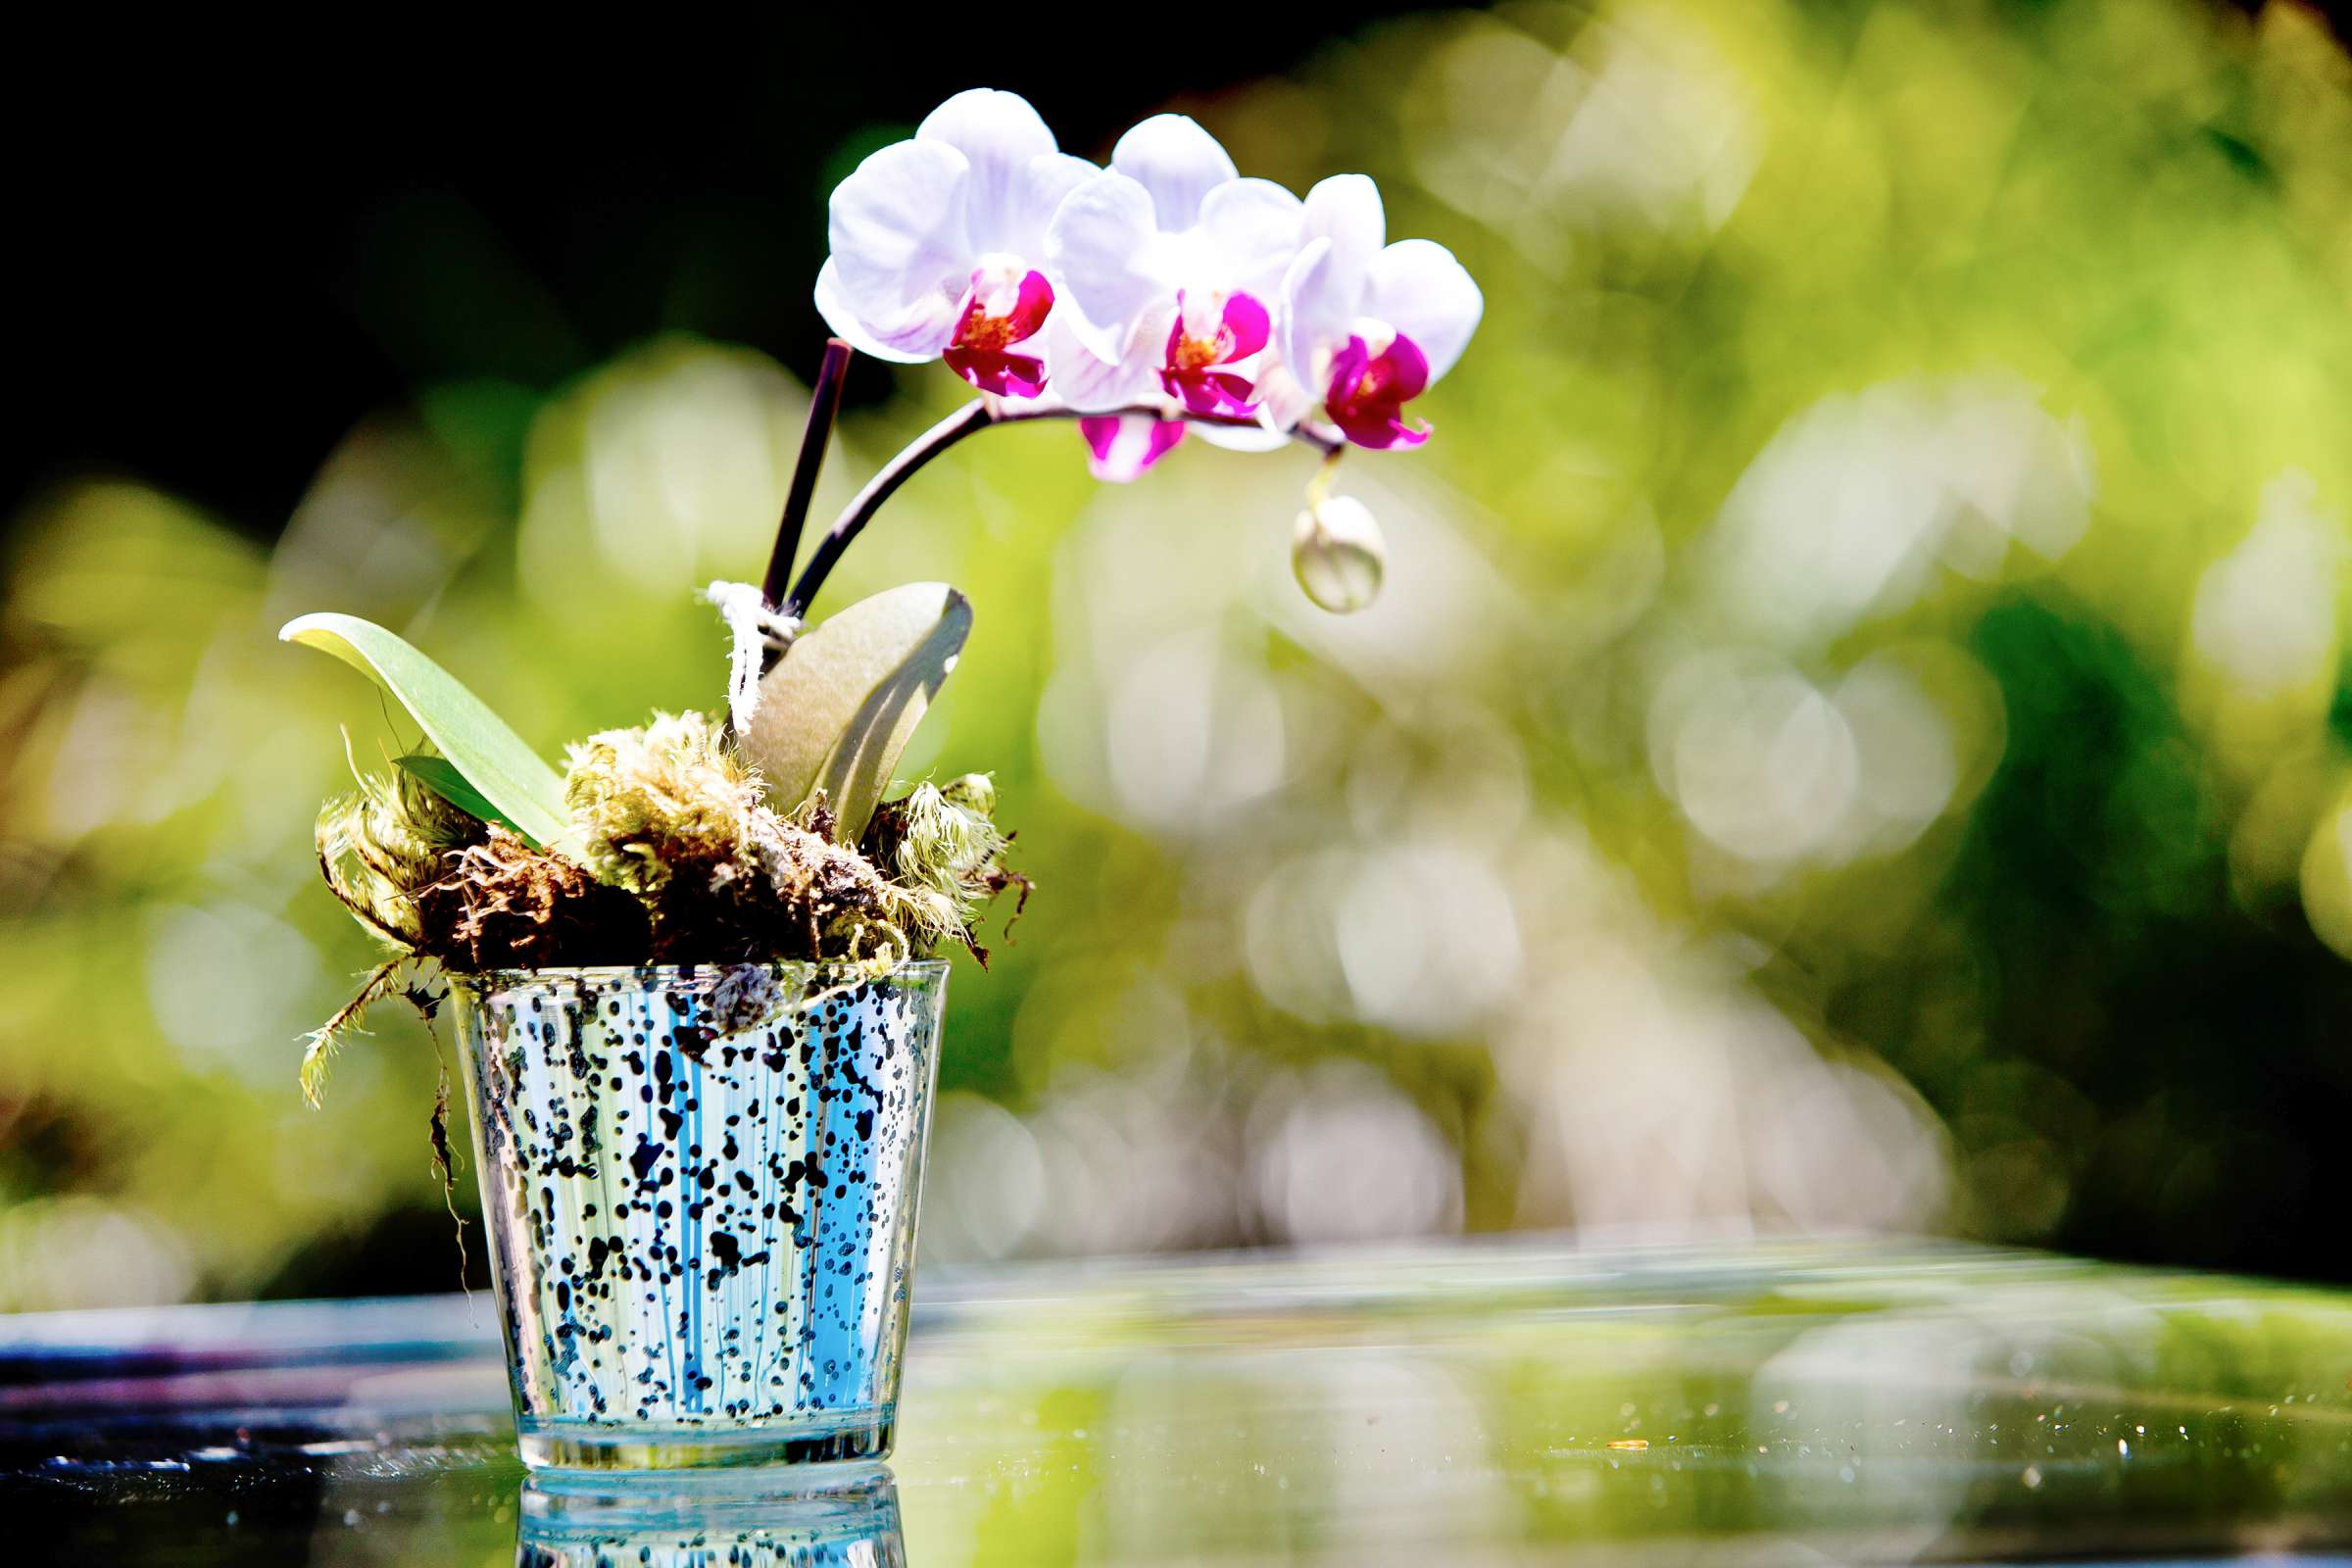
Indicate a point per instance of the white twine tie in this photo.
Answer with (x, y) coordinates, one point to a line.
(753, 630)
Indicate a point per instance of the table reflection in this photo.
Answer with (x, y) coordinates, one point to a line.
(1816, 1401)
(743, 1519)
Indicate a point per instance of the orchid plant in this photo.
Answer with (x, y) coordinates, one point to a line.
(1165, 293)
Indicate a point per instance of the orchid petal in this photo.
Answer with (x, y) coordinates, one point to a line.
(1122, 446)
(1255, 227)
(1177, 163)
(1020, 377)
(918, 340)
(1090, 383)
(1384, 432)
(1418, 289)
(1206, 392)
(1247, 326)
(1316, 313)
(897, 227)
(1283, 397)
(1345, 210)
(1243, 437)
(1030, 306)
(1399, 372)
(998, 134)
(1045, 183)
(1094, 246)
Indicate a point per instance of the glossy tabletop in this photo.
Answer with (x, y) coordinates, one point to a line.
(1471, 1404)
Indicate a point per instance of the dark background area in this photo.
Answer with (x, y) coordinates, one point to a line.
(227, 240)
(235, 251)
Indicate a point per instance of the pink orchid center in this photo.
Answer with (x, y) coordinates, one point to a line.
(1201, 341)
(1367, 392)
(1006, 304)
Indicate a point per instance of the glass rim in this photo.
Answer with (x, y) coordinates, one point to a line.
(649, 976)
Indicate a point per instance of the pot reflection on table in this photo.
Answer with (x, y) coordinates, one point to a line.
(750, 1518)
(1847, 1401)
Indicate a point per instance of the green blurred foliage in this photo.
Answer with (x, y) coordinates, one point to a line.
(1854, 735)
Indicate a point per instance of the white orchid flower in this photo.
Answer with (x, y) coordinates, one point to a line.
(1163, 289)
(1366, 327)
(937, 243)
(1168, 260)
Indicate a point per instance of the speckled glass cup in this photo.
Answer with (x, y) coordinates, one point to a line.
(700, 1186)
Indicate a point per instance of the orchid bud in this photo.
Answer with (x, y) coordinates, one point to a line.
(1339, 555)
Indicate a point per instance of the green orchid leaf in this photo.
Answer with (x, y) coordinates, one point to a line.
(443, 780)
(510, 777)
(838, 708)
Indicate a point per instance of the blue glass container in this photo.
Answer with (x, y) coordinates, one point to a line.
(700, 1186)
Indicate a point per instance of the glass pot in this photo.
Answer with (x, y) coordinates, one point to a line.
(700, 1185)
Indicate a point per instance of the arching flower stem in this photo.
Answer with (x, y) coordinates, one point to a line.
(971, 420)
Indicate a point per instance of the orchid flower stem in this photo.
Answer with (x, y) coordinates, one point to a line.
(971, 420)
(1318, 489)
(824, 401)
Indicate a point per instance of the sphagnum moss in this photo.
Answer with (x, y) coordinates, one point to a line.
(672, 855)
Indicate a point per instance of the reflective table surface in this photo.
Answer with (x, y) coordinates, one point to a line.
(1516, 1403)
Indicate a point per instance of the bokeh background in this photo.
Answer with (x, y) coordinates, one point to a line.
(1858, 733)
